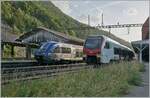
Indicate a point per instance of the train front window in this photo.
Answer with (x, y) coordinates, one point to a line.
(44, 46)
(92, 43)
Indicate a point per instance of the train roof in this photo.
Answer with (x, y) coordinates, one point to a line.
(96, 36)
(62, 44)
(111, 40)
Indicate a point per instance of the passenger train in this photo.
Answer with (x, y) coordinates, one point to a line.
(102, 49)
(56, 52)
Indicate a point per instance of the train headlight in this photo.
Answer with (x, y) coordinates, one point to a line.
(98, 55)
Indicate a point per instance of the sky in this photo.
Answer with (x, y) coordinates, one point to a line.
(114, 11)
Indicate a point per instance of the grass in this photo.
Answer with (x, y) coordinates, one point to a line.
(112, 80)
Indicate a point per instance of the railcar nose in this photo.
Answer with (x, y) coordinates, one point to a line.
(91, 52)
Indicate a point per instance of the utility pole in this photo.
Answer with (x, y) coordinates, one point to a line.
(89, 20)
(102, 23)
(128, 28)
(88, 23)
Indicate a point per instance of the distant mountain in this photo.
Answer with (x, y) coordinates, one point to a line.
(22, 16)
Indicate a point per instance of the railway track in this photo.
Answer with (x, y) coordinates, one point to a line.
(18, 63)
(28, 63)
(36, 72)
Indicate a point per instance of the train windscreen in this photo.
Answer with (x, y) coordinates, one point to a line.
(45, 46)
(93, 43)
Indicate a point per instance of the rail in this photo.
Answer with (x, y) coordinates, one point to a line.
(36, 72)
(18, 63)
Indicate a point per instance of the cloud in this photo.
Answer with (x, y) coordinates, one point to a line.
(93, 19)
(130, 11)
(97, 11)
(83, 18)
(113, 3)
(62, 5)
(86, 2)
(75, 5)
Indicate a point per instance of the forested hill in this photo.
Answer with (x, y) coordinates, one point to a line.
(22, 16)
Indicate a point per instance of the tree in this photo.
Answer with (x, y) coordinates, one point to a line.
(72, 33)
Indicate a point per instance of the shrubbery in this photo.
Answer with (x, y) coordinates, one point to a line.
(110, 80)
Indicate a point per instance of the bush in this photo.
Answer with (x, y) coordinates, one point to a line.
(134, 78)
(112, 80)
(142, 68)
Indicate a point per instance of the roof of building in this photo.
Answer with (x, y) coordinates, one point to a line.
(6, 34)
(137, 45)
(8, 37)
(33, 31)
(147, 41)
(21, 44)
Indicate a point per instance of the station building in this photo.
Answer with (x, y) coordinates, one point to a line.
(141, 47)
(33, 39)
(42, 34)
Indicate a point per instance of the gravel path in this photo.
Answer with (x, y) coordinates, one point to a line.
(143, 90)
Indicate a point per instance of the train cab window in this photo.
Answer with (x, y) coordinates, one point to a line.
(44, 46)
(66, 50)
(57, 50)
(93, 43)
(107, 45)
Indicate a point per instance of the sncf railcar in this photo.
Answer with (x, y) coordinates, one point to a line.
(56, 52)
(102, 49)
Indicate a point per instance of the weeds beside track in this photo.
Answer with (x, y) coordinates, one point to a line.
(113, 80)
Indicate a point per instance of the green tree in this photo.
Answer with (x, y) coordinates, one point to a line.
(72, 33)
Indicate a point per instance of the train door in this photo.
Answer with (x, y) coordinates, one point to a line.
(117, 55)
(73, 52)
(107, 53)
(57, 53)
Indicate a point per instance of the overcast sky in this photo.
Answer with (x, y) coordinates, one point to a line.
(124, 12)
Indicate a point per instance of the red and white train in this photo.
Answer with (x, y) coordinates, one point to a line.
(102, 49)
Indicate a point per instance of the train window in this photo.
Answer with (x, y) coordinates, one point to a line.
(79, 53)
(107, 46)
(116, 51)
(93, 43)
(66, 50)
(57, 50)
